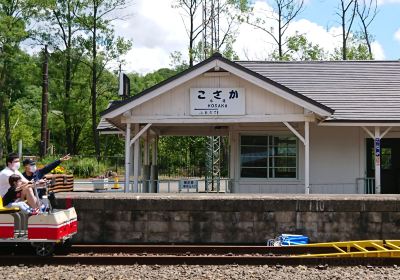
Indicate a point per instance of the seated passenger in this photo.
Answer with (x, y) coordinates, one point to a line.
(32, 173)
(12, 162)
(13, 196)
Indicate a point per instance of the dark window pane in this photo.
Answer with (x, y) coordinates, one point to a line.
(284, 172)
(284, 162)
(254, 161)
(254, 140)
(253, 172)
(253, 151)
(280, 153)
(292, 151)
(386, 158)
(284, 140)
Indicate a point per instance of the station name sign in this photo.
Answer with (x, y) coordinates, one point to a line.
(217, 101)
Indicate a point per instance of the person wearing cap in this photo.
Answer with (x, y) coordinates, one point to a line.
(13, 164)
(32, 173)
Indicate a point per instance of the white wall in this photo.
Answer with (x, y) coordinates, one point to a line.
(337, 159)
(176, 102)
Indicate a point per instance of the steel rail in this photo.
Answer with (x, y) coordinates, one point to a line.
(193, 260)
(196, 249)
(109, 254)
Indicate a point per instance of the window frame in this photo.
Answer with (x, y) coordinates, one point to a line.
(269, 146)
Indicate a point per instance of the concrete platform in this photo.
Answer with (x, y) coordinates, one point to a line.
(231, 218)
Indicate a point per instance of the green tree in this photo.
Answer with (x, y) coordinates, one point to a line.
(14, 18)
(276, 23)
(299, 48)
(346, 12)
(356, 49)
(101, 47)
(367, 11)
(64, 34)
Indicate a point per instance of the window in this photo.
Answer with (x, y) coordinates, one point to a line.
(386, 158)
(268, 157)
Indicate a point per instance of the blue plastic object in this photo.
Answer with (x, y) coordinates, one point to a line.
(293, 239)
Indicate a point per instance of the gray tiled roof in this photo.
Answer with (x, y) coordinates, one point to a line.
(356, 90)
(104, 125)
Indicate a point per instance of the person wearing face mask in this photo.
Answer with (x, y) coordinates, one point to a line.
(32, 173)
(12, 166)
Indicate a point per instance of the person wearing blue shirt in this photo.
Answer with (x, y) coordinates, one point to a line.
(32, 173)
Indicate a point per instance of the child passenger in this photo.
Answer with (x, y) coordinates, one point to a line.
(13, 196)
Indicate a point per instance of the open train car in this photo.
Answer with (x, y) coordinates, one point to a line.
(44, 231)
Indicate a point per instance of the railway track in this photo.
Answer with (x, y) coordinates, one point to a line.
(191, 255)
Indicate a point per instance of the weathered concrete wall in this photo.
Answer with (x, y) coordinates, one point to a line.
(196, 218)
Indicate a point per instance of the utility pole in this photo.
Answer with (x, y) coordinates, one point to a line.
(45, 97)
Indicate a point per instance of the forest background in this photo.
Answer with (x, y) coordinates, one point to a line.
(85, 55)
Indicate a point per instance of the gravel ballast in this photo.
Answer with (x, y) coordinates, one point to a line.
(196, 272)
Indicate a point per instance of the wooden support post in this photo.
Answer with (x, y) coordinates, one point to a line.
(127, 155)
(154, 167)
(146, 164)
(307, 157)
(306, 142)
(136, 150)
(232, 163)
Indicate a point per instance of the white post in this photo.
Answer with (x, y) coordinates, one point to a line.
(131, 166)
(155, 151)
(147, 149)
(232, 163)
(136, 150)
(146, 164)
(377, 152)
(127, 155)
(307, 157)
(154, 168)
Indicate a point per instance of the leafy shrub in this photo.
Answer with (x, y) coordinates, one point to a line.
(82, 167)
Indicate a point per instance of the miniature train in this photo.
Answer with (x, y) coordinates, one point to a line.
(44, 231)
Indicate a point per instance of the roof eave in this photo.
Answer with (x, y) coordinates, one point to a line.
(208, 64)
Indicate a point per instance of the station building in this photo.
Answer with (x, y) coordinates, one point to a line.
(293, 127)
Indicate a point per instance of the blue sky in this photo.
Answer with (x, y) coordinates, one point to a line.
(386, 23)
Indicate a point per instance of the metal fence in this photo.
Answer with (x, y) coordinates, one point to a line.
(367, 184)
(100, 166)
(222, 185)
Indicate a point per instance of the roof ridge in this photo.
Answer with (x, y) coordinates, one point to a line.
(316, 61)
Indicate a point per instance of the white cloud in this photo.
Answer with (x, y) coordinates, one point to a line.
(383, 2)
(254, 44)
(317, 34)
(157, 30)
(397, 35)
(144, 60)
(377, 51)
